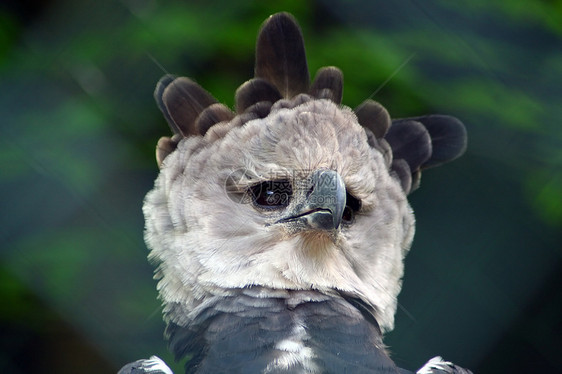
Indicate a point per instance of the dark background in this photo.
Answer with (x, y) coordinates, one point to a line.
(79, 126)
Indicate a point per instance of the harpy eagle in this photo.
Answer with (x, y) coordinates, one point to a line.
(279, 230)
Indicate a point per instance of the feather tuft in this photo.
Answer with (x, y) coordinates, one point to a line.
(254, 91)
(328, 84)
(158, 93)
(165, 146)
(374, 117)
(282, 80)
(261, 109)
(401, 170)
(185, 100)
(410, 141)
(280, 55)
(212, 115)
(448, 138)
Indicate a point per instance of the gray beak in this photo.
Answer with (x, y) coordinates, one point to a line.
(323, 201)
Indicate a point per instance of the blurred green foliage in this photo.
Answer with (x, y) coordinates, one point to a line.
(79, 128)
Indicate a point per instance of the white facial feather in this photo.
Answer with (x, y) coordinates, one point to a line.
(205, 241)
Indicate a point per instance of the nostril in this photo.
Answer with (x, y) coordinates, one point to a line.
(310, 190)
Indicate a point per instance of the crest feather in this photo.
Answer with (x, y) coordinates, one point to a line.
(158, 93)
(281, 80)
(373, 116)
(410, 141)
(185, 100)
(328, 84)
(280, 55)
(448, 138)
(402, 171)
(254, 91)
(212, 115)
(165, 146)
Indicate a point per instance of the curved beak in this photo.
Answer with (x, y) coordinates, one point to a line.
(323, 201)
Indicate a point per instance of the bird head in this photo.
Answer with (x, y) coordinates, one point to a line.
(292, 191)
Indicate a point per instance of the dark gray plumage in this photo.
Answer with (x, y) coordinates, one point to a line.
(158, 96)
(341, 336)
(448, 138)
(211, 115)
(373, 116)
(410, 141)
(279, 232)
(254, 91)
(280, 56)
(328, 84)
(184, 100)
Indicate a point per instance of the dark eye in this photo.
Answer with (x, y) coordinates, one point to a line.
(272, 194)
(352, 206)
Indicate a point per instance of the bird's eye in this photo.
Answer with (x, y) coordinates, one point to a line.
(352, 206)
(272, 194)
